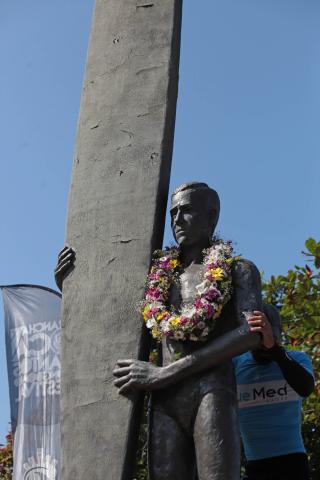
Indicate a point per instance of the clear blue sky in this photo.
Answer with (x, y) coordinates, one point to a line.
(247, 123)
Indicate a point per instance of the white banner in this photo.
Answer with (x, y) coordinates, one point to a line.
(32, 323)
(265, 393)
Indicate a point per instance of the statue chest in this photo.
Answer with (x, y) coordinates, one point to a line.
(183, 292)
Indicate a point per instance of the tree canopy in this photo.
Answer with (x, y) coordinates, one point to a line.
(6, 458)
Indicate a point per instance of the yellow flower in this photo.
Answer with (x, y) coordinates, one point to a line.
(156, 333)
(218, 311)
(161, 315)
(145, 311)
(175, 322)
(174, 263)
(230, 260)
(153, 357)
(217, 273)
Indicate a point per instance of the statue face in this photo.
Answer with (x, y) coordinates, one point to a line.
(190, 221)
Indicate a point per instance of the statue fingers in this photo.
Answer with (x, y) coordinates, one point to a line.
(127, 387)
(121, 372)
(63, 251)
(63, 267)
(125, 362)
(68, 257)
(66, 252)
(65, 248)
(119, 382)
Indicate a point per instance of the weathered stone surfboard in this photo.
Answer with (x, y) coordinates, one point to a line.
(115, 220)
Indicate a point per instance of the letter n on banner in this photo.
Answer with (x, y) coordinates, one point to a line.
(32, 325)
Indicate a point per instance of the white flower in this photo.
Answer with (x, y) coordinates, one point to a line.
(156, 305)
(203, 287)
(205, 332)
(151, 322)
(179, 335)
(165, 327)
(188, 311)
(194, 337)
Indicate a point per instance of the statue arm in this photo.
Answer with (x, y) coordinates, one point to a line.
(246, 297)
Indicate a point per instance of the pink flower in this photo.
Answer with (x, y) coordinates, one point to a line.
(309, 271)
(154, 276)
(211, 265)
(169, 333)
(153, 311)
(208, 276)
(209, 309)
(211, 294)
(165, 264)
(154, 293)
(184, 320)
(198, 303)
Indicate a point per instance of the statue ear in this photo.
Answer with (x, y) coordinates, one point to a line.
(213, 218)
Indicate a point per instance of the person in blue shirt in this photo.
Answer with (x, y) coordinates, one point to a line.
(271, 383)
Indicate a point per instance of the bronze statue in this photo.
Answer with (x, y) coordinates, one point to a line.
(193, 429)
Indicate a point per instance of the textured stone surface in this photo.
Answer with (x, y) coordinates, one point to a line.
(116, 218)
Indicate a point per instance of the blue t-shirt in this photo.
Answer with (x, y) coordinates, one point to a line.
(269, 409)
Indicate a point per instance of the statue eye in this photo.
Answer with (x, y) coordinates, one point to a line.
(187, 208)
(173, 212)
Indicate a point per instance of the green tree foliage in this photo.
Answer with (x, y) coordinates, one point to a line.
(297, 295)
(6, 458)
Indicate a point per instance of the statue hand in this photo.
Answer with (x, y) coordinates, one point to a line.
(64, 266)
(138, 375)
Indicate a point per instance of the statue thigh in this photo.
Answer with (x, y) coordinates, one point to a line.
(212, 454)
(171, 453)
(216, 437)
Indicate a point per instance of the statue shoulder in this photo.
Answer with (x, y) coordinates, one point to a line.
(245, 272)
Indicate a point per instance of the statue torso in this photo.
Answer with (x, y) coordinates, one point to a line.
(183, 293)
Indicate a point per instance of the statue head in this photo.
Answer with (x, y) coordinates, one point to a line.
(194, 213)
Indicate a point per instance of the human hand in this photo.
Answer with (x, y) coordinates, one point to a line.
(64, 266)
(137, 375)
(258, 322)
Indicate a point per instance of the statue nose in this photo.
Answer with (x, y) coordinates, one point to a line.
(179, 217)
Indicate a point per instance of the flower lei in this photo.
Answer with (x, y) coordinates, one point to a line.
(193, 322)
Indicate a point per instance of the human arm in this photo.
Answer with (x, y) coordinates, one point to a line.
(65, 265)
(134, 374)
(295, 374)
(298, 377)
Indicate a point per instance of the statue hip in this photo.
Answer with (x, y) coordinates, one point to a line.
(182, 400)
